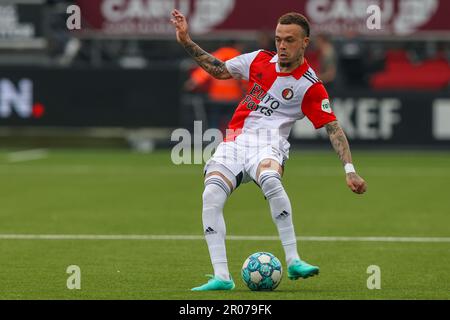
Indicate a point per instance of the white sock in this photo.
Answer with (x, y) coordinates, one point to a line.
(280, 207)
(214, 197)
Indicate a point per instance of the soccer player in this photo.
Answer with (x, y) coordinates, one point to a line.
(282, 89)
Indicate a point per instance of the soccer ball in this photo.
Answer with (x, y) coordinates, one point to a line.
(262, 271)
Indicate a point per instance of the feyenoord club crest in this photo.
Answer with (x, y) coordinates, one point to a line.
(287, 94)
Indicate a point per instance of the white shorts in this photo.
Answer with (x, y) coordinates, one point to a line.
(241, 161)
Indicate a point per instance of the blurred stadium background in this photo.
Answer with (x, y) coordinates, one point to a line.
(86, 118)
(120, 80)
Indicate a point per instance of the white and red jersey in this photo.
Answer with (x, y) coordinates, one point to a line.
(275, 100)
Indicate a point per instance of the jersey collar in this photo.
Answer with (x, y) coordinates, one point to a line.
(297, 73)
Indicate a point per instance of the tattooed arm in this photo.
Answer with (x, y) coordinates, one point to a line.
(210, 64)
(342, 148)
(339, 141)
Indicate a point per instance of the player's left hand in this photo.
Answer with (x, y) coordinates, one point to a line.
(356, 183)
(181, 26)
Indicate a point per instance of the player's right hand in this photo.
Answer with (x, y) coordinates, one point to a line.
(356, 183)
(181, 26)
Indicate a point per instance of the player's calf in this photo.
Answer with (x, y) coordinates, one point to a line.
(214, 197)
(280, 207)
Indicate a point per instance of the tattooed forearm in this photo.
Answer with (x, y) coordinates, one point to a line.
(339, 142)
(210, 64)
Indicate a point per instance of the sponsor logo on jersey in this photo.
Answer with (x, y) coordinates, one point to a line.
(326, 105)
(257, 99)
(287, 94)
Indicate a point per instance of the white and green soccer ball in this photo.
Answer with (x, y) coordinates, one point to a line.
(262, 271)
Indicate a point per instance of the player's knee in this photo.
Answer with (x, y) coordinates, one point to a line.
(270, 183)
(266, 164)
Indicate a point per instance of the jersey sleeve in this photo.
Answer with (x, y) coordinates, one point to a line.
(239, 67)
(316, 106)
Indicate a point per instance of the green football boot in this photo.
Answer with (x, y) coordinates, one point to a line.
(301, 269)
(215, 283)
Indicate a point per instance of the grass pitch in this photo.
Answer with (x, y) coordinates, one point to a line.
(122, 193)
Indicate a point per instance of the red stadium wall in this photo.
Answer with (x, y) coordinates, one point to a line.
(151, 17)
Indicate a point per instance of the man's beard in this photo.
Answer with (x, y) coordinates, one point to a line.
(285, 64)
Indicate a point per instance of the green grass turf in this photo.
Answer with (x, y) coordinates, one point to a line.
(118, 192)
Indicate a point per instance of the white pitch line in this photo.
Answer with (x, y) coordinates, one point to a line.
(230, 237)
(306, 171)
(27, 155)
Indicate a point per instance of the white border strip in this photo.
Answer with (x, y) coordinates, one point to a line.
(230, 237)
(27, 155)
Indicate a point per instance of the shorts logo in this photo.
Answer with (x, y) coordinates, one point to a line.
(326, 105)
(287, 94)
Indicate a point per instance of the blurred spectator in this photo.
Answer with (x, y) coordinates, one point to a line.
(352, 60)
(327, 59)
(132, 58)
(71, 50)
(223, 95)
(64, 46)
(266, 41)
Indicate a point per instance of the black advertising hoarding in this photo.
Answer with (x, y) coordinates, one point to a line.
(89, 97)
(21, 20)
(44, 97)
(386, 118)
